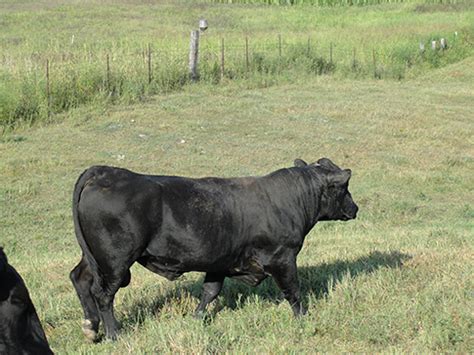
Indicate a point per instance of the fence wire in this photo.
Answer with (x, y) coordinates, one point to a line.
(73, 77)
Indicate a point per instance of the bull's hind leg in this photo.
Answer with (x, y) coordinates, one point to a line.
(210, 289)
(96, 303)
(105, 304)
(81, 277)
(104, 293)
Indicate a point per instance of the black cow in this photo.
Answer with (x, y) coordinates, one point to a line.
(20, 328)
(247, 228)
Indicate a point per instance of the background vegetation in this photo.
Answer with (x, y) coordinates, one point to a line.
(398, 279)
(331, 2)
(350, 41)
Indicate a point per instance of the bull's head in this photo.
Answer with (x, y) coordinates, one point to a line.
(336, 201)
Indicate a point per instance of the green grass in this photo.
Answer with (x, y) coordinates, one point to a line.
(397, 279)
(77, 36)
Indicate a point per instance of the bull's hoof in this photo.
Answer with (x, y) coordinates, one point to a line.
(112, 337)
(88, 329)
(301, 312)
(200, 315)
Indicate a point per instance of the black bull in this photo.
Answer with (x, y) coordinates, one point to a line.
(20, 327)
(247, 228)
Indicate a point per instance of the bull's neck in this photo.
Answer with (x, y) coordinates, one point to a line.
(311, 193)
(304, 193)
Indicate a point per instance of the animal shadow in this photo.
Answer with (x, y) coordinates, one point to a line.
(314, 280)
(318, 279)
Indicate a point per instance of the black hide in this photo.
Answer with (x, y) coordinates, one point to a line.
(20, 328)
(246, 228)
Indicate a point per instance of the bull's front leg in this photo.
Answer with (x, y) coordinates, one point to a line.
(286, 277)
(210, 289)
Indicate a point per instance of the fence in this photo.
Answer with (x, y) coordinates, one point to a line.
(43, 84)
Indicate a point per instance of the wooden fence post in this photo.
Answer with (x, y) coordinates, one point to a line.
(247, 53)
(279, 45)
(222, 58)
(149, 64)
(330, 53)
(193, 55)
(48, 90)
(108, 73)
(375, 64)
(354, 59)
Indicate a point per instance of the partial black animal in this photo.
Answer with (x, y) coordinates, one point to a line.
(246, 228)
(20, 328)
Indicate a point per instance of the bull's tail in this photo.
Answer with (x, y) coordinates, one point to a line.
(84, 178)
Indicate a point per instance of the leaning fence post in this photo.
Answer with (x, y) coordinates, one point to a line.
(48, 91)
(222, 58)
(193, 55)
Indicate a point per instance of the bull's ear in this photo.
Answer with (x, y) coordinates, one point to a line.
(328, 164)
(300, 163)
(340, 177)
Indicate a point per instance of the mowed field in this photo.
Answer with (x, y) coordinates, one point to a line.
(399, 278)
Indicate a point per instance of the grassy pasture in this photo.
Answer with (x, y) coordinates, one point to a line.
(399, 278)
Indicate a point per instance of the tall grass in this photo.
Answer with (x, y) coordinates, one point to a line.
(79, 80)
(72, 83)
